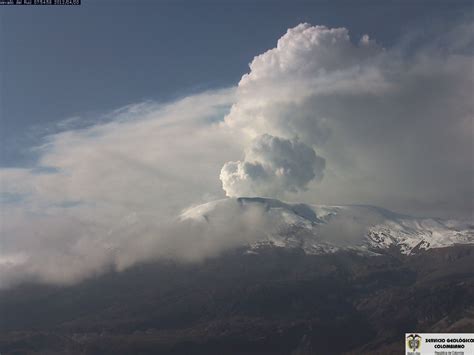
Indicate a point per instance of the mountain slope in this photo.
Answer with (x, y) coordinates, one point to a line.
(280, 302)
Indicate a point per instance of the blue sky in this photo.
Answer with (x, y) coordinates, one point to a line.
(64, 62)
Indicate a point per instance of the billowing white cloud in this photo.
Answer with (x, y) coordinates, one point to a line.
(394, 125)
(272, 165)
(308, 61)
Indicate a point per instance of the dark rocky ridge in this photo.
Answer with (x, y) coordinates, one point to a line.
(280, 301)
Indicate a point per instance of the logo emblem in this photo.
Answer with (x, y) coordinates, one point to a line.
(413, 342)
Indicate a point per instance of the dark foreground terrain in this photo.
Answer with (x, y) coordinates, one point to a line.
(276, 302)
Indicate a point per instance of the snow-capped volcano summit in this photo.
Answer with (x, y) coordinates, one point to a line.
(319, 229)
